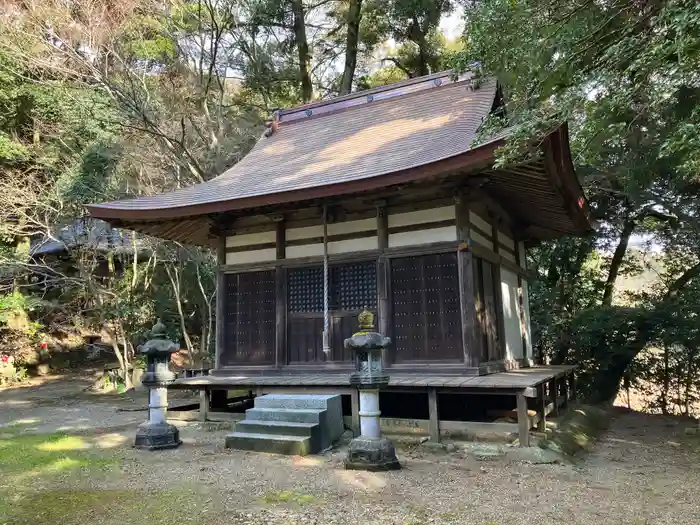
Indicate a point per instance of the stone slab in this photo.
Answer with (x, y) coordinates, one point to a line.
(291, 445)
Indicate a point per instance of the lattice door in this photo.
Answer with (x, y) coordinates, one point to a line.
(352, 287)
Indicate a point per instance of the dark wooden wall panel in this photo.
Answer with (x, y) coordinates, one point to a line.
(427, 319)
(488, 309)
(249, 318)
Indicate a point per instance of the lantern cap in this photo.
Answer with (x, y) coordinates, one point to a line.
(158, 344)
(158, 330)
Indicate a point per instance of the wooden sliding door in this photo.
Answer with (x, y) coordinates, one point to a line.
(426, 310)
(249, 319)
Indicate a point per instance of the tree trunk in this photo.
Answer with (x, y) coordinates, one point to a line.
(618, 257)
(303, 49)
(174, 276)
(354, 18)
(666, 385)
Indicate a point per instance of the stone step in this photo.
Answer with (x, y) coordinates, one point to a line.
(280, 444)
(298, 402)
(276, 428)
(284, 414)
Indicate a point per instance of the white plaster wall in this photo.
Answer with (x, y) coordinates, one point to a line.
(307, 250)
(506, 240)
(421, 216)
(511, 314)
(476, 220)
(526, 311)
(335, 247)
(307, 232)
(480, 239)
(363, 225)
(251, 256)
(237, 241)
(506, 254)
(444, 234)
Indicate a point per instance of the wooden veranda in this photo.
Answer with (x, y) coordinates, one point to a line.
(543, 389)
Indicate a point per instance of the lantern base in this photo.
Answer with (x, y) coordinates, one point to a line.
(157, 436)
(372, 454)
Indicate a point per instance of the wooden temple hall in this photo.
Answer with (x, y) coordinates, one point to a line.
(386, 199)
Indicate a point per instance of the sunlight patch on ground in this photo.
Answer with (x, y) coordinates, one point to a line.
(361, 480)
(64, 443)
(111, 440)
(306, 461)
(28, 456)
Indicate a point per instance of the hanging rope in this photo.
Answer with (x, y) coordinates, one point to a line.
(326, 320)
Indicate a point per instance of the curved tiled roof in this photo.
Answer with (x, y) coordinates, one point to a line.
(356, 138)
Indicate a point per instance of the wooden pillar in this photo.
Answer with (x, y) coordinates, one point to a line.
(280, 298)
(220, 343)
(203, 404)
(541, 408)
(565, 391)
(554, 394)
(384, 306)
(498, 290)
(465, 263)
(521, 299)
(434, 415)
(523, 420)
(572, 387)
(355, 412)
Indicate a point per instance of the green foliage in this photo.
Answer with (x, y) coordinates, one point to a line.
(624, 76)
(578, 430)
(11, 150)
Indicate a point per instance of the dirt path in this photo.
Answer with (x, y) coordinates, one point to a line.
(643, 472)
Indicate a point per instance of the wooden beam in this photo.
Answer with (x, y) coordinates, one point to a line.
(467, 300)
(280, 240)
(541, 401)
(280, 296)
(434, 415)
(492, 206)
(384, 305)
(565, 391)
(523, 420)
(382, 227)
(203, 404)
(554, 394)
(220, 301)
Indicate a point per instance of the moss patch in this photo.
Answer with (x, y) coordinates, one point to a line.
(78, 507)
(578, 430)
(39, 454)
(287, 496)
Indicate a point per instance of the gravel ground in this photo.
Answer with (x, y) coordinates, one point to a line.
(643, 472)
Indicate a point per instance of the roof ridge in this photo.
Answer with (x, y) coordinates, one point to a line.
(364, 92)
(359, 98)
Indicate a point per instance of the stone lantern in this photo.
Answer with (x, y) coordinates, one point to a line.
(369, 451)
(156, 433)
